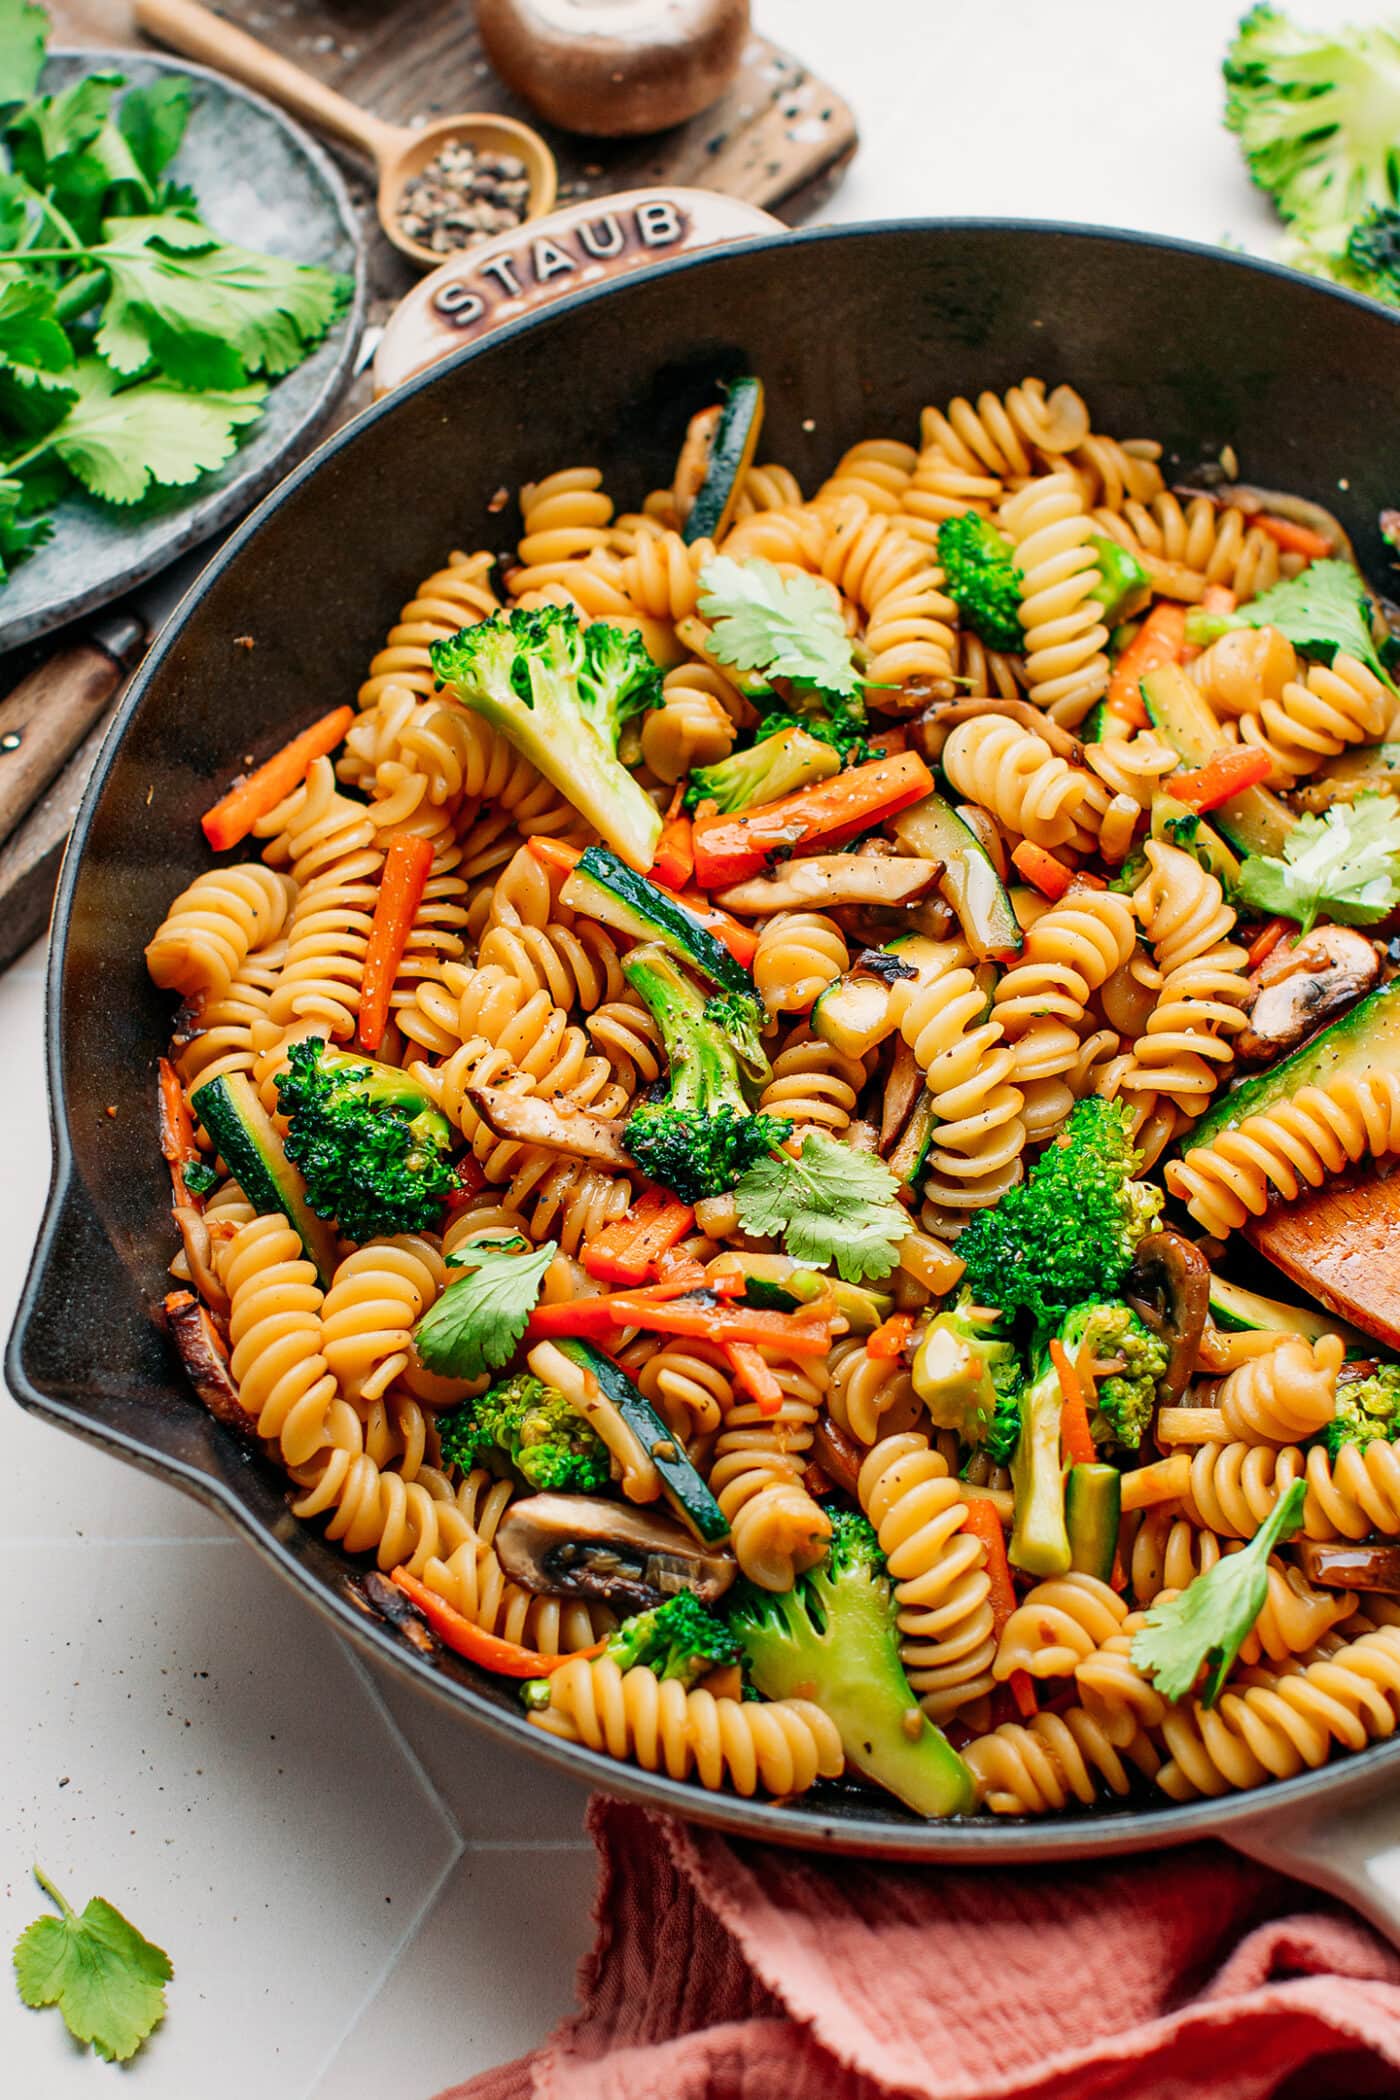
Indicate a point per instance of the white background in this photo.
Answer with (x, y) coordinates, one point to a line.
(361, 1900)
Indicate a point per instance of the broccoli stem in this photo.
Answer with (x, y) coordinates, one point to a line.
(1039, 1539)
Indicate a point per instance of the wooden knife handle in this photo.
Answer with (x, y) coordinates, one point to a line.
(49, 713)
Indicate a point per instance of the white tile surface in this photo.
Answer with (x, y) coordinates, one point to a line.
(266, 1822)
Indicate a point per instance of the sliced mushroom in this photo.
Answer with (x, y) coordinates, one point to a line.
(191, 1328)
(535, 1121)
(379, 1598)
(1374, 1564)
(1303, 984)
(1169, 1286)
(584, 1546)
(828, 879)
(837, 1453)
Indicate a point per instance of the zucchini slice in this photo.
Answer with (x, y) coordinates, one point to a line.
(681, 1484)
(1254, 822)
(1233, 1308)
(1367, 1039)
(933, 830)
(252, 1150)
(1092, 1501)
(732, 453)
(605, 888)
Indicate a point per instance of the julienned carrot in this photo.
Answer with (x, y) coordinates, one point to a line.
(1218, 598)
(887, 1342)
(177, 1138)
(1265, 942)
(407, 866)
(805, 1333)
(740, 940)
(1227, 772)
(675, 849)
(1160, 640)
(627, 1251)
(729, 849)
(1294, 539)
(555, 853)
(753, 1374)
(1050, 876)
(232, 818)
(455, 1631)
(984, 1524)
(1077, 1444)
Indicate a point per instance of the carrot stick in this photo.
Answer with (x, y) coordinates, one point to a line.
(985, 1525)
(627, 1251)
(1226, 773)
(177, 1139)
(675, 849)
(754, 1375)
(1050, 876)
(887, 1342)
(1160, 640)
(1294, 539)
(407, 866)
(1218, 598)
(232, 818)
(729, 849)
(1074, 1418)
(506, 1658)
(555, 853)
(1265, 942)
(805, 1333)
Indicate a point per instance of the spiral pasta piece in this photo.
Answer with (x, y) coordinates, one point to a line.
(1068, 954)
(877, 471)
(1233, 1488)
(1315, 717)
(948, 1642)
(777, 1528)
(782, 1746)
(275, 1337)
(1014, 773)
(1059, 1758)
(213, 926)
(1284, 1396)
(690, 728)
(222, 1039)
(969, 1071)
(375, 1298)
(1053, 535)
(1169, 1552)
(1057, 1625)
(1186, 1046)
(799, 954)
(813, 1084)
(451, 598)
(1185, 548)
(1296, 1144)
(869, 1396)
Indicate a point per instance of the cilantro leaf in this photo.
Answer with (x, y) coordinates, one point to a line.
(784, 626)
(153, 119)
(18, 535)
(1324, 612)
(32, 341)
(117, 444)
(831, 1204)
(56, 128)
(478, 1320)
(205, 310)
(105, 1978)
(1345, 864)
(24, 35)
(1209, 1620)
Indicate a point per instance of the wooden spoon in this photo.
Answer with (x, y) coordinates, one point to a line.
(399, 154)
(1342, 1245)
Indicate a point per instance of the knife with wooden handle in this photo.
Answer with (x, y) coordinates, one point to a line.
(50, 712)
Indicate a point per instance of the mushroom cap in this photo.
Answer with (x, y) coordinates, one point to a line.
(615, 68)
(587, 1546)
(1302, 985)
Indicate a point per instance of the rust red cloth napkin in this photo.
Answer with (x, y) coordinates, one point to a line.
(738, 1972)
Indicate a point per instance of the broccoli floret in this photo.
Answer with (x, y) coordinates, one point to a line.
(372, 1148)
(701, 1135)
(1066, 1234)
(739, 1017)
(523, 1423)
(1125, 1397)
(1124, 586)
(561, 694)
(677, 1639)
(981, 576)
(1039, 1542)
(834, 1639)
(1367, 1409)
(837, 719)
(788, 759)
(968, 1374)
(1317, 117)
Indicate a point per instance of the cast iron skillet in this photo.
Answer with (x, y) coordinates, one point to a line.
(852, 331)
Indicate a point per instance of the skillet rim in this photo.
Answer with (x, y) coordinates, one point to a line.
(885, 1835)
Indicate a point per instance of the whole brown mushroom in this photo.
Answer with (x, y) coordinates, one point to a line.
(615, 68)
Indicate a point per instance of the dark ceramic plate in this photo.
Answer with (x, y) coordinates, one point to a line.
(853, 330)
(264, 183)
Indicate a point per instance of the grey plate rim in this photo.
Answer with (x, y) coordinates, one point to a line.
(197, 522)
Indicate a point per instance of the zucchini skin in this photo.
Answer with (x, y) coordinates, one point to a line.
(652, 915)
(681, 1484)
(731, 455)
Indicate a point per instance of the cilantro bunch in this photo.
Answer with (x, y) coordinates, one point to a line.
(135, 343)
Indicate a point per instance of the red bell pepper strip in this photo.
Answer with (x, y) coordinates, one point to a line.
(1265, 942)
(729, 849)
(984, 1524)
(1075, 1440)
(407, 866)
(1160, 640)
(1226, 772)
(234, 816)
(627, 1251)
(889, 1338)
(1050, 876)
(753, 1374)
(455, 1631)
(1294, 539)
(805, 1333)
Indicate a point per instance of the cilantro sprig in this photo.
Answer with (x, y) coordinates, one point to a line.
(106, 1979)
(135, 342)
(783, 626)
(1345, 864)
(476, 1323)
(1209, 1621)
(830, 1204)
(1324, 612)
